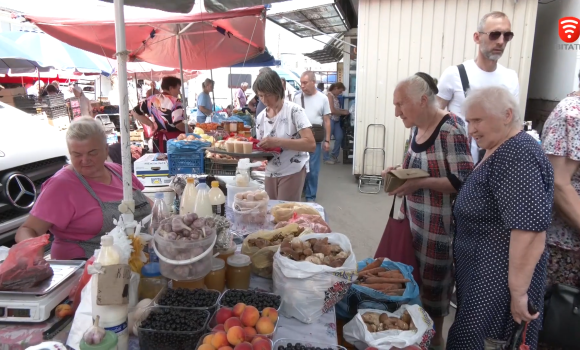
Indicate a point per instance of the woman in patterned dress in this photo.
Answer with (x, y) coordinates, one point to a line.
(283, 124)
(561, 143)
(501, 214)
(439, 145)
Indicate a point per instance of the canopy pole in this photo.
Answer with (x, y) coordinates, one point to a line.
(231, 90)
(184, 100)
(127, 206)
(136, 89)
(212, 93)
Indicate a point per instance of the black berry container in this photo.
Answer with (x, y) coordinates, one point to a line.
(249, 297)
(282, 344)
(195, 321)
(214, 298)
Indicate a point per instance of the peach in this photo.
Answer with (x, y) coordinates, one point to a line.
(232, 322)
(223, 314)
(219, 327)
(207, 339)
(219, 339)
(244, 346)
(265, 326)
(226, 348)
(236, 335)
(258, 338)
(63, 310)
(271, 313)
(262, 344)
(250, 316)
(205, 347)
(250, 333)
(238, 310)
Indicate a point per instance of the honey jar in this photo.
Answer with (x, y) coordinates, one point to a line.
(216, 279)
(238, 272)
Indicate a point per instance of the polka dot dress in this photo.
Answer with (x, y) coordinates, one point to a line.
(512, 189)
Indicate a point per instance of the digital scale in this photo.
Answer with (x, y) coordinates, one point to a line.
(36, 304)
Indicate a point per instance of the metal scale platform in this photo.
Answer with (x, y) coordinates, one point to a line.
(36, 304)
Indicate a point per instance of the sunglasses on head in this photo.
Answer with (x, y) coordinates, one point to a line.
(507, 36)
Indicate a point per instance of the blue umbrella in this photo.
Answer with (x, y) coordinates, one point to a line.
(48, 51)
(14, 60)
(263, 60)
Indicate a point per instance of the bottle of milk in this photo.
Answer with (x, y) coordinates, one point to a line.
(112, 317)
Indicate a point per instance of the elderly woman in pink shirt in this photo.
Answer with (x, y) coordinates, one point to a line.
(78, 204)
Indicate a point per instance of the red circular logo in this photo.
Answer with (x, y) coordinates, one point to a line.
(569, 29)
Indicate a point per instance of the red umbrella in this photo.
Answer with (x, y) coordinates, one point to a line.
(208, 40)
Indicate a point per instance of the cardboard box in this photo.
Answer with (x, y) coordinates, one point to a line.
(152, 172)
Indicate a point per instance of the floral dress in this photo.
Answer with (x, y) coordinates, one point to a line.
(445, 154)
(561, 137)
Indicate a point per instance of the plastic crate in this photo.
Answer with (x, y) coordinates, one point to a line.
(25, 101)
(55, 112)
(186, 163)
(212, 168)
(53, 101)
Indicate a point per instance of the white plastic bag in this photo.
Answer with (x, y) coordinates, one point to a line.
(356, 333)
(309, 290)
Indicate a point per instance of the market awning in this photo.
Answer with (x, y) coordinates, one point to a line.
(332, 51)
(208, 40)
(332, 17)
(16, 61)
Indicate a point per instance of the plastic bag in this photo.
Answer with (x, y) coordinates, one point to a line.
(250, 211)
(314, 222)
(184, 146)
(24, 267)
(359, 297)
(263, 258)
(356, 333)
(309, 290)
(285, 211)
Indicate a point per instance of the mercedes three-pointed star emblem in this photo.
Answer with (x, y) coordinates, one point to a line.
(20, 191)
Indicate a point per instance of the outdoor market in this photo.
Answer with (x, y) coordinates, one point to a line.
(162, 175)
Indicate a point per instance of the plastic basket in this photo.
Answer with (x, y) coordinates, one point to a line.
(55, 112)
(53, 101)
(186, 163)
(23, 101)
(212, 168)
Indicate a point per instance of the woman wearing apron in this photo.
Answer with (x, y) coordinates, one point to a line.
(79, 203)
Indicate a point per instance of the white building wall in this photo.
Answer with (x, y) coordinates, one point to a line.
(554, 72)
(397, 38)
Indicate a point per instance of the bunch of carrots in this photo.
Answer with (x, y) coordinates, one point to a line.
(390, 282)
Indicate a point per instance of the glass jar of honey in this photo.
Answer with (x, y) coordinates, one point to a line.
(225, 254)
(238, 272)
(192, 284)
(216, 279)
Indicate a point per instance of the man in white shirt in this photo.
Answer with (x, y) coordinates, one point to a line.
(493, 34)
(318, 111)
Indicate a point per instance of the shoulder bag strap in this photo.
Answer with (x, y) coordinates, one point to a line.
(302, 98)
(464, 79)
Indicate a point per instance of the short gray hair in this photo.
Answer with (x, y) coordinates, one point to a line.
(84, 128)
(494, 14)
(310, 74)
(269, 82)
(493, 100)
(418, 85)
(244, 84)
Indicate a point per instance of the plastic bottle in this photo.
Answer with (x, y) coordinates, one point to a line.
(243, 172)
(202, 204)
(159, 213)
(188, 197)
(112, 317)
(217, 199)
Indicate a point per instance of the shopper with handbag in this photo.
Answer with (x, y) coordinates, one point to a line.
(316, 105)
(501, 213)
(561, 143)
(439, 146)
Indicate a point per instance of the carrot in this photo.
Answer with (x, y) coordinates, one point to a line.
(372, 280)
(372, 271)
(390, 274)
(377, 263)
(377, 286)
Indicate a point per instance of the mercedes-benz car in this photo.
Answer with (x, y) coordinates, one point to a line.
(31, 151)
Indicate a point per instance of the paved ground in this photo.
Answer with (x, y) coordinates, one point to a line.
(362, 217)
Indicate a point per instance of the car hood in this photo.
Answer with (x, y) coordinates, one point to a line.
(29, 139)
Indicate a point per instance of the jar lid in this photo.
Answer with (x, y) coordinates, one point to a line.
(151, 270)
(217, 264)
(239, 260)
(190, 180)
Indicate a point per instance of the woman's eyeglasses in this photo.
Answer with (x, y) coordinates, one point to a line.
(507, 36)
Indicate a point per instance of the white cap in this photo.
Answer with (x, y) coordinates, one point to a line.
(239, 260)
(217, 264)
(107, 240)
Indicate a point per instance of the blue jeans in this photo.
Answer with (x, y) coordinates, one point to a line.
(311, 183)
(335, 130)
(201, 119)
